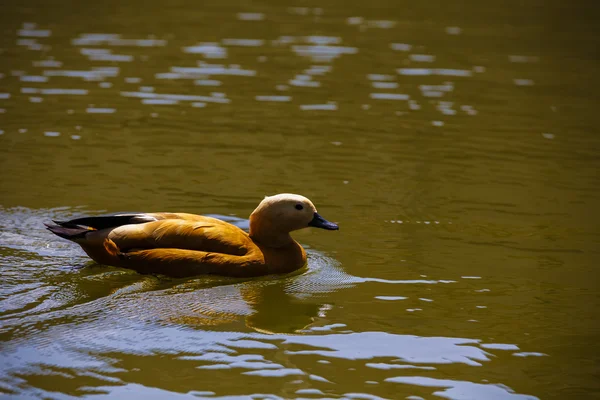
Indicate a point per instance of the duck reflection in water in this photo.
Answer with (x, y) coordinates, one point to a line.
(264, 305)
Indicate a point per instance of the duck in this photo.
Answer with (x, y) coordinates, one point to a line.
(183, 245)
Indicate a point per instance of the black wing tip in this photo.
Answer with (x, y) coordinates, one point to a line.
(67, 232)
(105, 221)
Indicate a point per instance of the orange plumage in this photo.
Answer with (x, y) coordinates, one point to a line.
(180, 244)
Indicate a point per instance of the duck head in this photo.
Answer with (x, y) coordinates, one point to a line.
(277, 216)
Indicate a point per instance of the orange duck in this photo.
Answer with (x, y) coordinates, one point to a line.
(180, 244)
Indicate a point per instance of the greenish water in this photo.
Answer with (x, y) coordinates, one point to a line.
(456, 144)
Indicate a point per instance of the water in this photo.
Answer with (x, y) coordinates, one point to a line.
(455, 144)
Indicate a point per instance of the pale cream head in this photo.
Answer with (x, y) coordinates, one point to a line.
(285, 212)
(278, 215)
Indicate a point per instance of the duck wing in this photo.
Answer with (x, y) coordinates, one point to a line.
(173, 244)
(186, 247)
(197, 233)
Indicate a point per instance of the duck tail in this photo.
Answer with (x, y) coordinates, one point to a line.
(70, 233)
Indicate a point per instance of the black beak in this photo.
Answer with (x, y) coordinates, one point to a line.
(320, 222)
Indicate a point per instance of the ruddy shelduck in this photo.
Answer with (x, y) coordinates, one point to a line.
(181, 245)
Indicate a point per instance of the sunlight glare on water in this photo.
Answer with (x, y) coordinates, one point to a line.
(454, 144)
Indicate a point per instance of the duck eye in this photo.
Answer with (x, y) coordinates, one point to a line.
(299, 207)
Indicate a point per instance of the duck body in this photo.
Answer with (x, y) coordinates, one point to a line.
(181, 244)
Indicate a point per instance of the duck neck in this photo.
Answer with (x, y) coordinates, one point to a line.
(263, 232)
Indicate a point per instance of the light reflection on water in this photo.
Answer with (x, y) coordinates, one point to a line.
(320, 49)
(109, 314)
(461, 390)
(458, 154)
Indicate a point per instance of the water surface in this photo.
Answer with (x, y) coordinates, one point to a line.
(455, 144)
